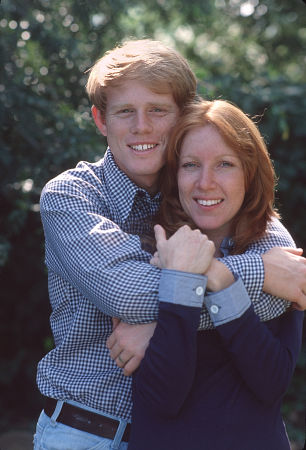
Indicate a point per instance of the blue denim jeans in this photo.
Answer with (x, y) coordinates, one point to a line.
(53, 435)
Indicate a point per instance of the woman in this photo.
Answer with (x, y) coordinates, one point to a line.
(221, 388)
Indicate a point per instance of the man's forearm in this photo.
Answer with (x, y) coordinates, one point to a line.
(219, 276)
(99, 262)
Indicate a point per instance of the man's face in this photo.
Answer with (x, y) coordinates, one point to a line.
(137, 124)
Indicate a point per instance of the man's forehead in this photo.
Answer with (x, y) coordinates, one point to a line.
(137, 93)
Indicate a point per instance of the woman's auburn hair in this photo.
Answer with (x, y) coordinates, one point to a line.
(242, 135)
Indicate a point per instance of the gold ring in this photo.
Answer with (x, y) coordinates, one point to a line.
(121, 360)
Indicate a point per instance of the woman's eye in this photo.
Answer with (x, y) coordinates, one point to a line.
(189, 165)
(226, 164)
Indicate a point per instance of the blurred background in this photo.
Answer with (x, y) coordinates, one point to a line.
(252, 52)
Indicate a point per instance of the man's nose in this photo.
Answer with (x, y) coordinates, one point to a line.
(141, 123)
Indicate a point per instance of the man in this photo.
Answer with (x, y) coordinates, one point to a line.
(92, 216)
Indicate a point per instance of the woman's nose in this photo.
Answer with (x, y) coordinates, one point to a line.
(206, 179)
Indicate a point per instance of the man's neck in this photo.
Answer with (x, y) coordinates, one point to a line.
(151, 186)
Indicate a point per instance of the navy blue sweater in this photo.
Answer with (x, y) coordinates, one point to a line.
(218, 389)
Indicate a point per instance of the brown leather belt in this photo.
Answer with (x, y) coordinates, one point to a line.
(84, 420)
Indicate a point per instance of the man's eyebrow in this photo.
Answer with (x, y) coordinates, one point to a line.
(121, 106)
(149, 104)
(161, 104)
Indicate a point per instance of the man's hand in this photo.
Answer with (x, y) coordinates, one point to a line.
(218, 275)
(186, 250)
(127, 344)
(285, 275)
(191, 251)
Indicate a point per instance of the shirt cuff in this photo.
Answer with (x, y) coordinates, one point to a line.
(228, 304)
(182, 288)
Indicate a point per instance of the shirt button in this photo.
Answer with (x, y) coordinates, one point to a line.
(214, 309)
(199, 290)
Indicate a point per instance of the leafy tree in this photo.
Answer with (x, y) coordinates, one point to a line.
(248, 51)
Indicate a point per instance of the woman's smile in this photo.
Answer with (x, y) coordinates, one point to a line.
(210, 181)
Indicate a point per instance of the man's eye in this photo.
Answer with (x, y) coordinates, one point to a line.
(158, 110)
(125, 111)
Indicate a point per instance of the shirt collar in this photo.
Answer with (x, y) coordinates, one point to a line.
(122, 190)
(226, 246)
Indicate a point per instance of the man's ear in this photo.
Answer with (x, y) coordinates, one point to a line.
(99, 120)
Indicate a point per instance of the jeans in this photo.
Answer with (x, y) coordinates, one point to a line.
(52, 435)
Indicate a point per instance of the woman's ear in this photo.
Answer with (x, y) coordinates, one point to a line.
(99, 119)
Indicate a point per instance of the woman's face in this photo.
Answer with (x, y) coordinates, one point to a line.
(210, 181)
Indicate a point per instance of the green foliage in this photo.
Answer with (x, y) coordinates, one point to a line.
(250, 52)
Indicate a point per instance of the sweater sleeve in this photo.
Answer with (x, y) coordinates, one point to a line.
(166, 373)
(264, 353)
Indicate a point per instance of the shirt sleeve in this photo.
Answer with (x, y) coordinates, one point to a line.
(91, 252)
(182, 288)
(250, 268)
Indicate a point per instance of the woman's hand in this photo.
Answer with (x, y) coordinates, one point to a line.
(187, 250)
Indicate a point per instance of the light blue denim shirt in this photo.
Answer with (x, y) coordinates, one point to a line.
(188, 289)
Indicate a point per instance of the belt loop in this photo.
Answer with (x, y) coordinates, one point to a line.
(118, 436)
(57, 410)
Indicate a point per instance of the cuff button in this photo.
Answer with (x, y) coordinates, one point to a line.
(214, 309)
(199, 290)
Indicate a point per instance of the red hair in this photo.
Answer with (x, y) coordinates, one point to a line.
(161, 68)
(243, 136)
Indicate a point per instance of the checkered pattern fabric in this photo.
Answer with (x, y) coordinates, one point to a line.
(97, 269)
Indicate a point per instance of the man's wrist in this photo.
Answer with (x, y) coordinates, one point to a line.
(219, 276)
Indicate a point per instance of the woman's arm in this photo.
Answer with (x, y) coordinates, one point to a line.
(165, 375)
(167, 370)
(264, 354)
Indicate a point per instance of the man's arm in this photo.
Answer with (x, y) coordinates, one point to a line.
(92, 253)
(266, 271)
(284, 275)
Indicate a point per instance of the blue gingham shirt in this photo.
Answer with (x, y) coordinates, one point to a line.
(97, 270)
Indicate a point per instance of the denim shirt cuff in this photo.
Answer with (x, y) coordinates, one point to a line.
(182, 288)
(228, 304)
